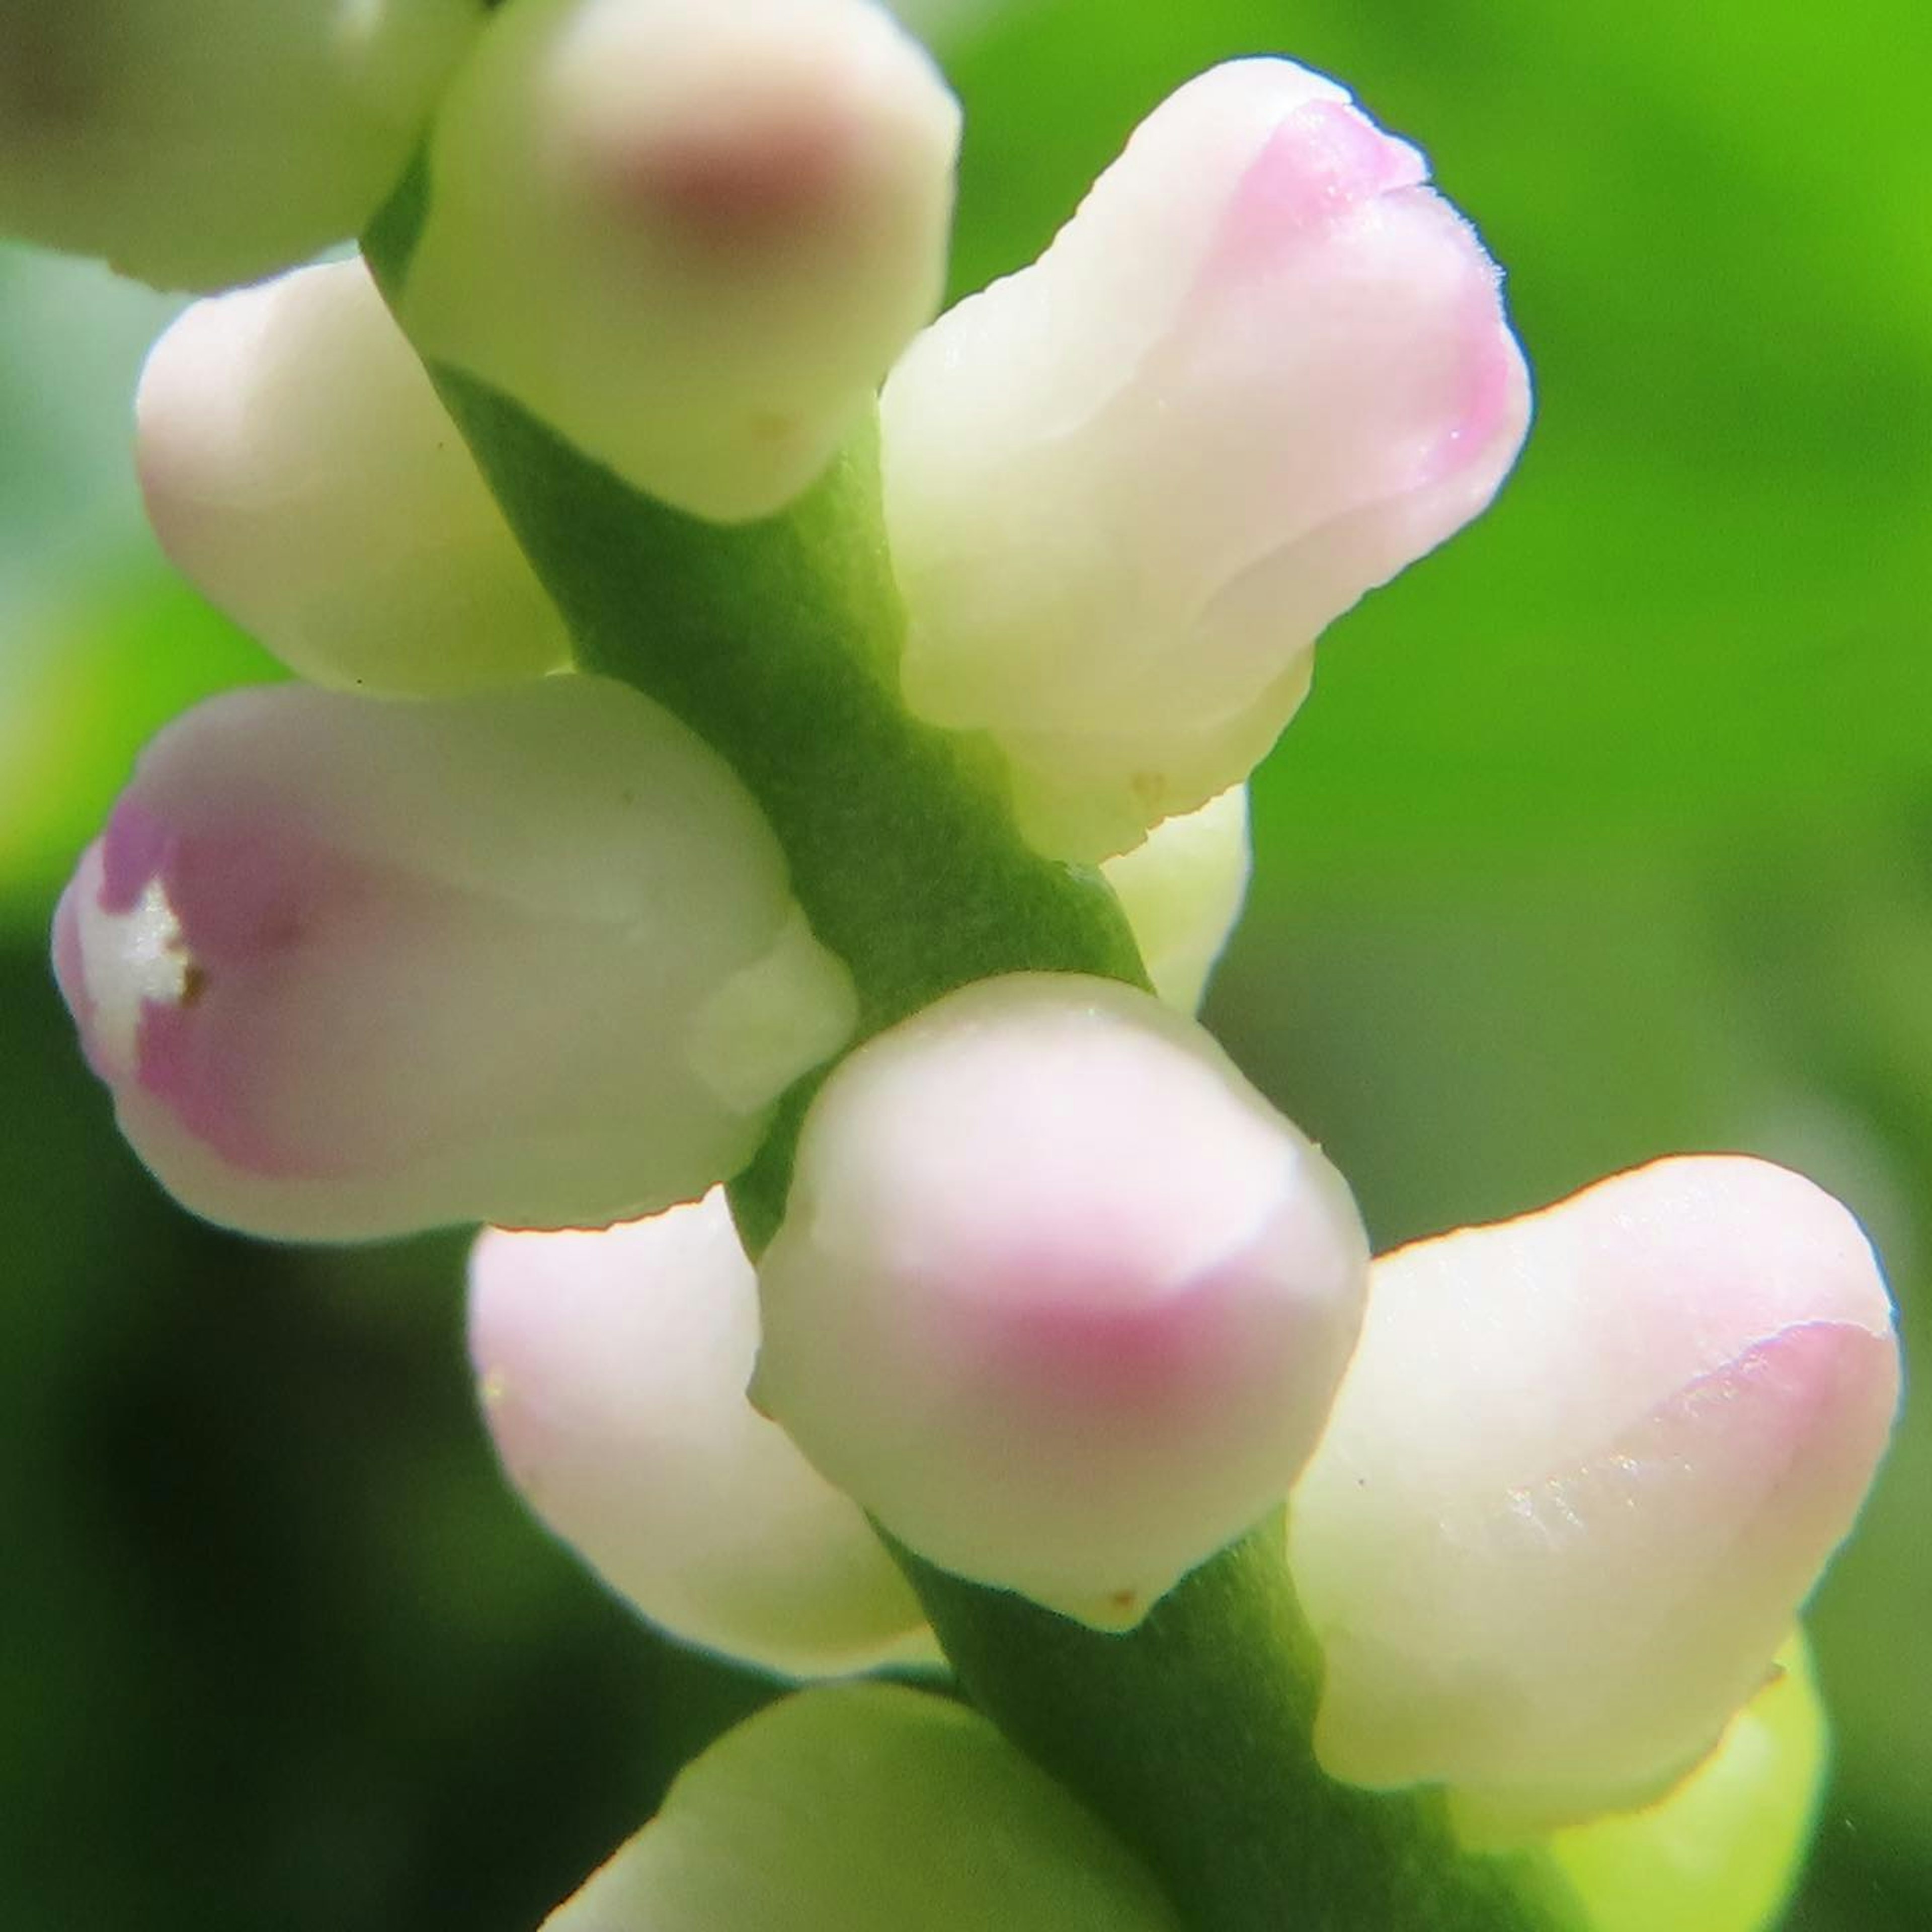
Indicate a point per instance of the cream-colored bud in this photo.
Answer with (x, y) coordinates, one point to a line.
(691, 238)
(1585, 1466)
(867, 1807)
(298, 465)
(353, 968)
(1058, 1297)
(1263, 368)
(612, 1367)
(200, 145)
(1182, 889)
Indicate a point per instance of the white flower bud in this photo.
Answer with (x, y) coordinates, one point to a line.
(867, 1807)
(352, 967)
(200, 146)
(1585, 1468)
(691, 238)
(612, 1367)
(298, 465)
(1059, 1298)
(1262, 369)
(1182, 888)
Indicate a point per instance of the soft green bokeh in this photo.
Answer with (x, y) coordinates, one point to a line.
(1607, 831)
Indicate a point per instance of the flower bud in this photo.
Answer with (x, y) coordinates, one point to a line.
(1720, 1853)
(1584, 1469)
(353, 968)
(1262, 368)
(1181, 889)
(690, 238)
(613, 1368)
(865, 1806)
(200, 146)
(298, 465)
(1059, 1298)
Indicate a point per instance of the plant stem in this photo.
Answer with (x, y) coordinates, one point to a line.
(777, 642)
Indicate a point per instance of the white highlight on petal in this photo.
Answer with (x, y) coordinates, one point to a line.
(131, 958)
(1262, 369)
(1058, 1297)
(298, 467)
(691, 239)
(612, 1368)
(1585, 1468)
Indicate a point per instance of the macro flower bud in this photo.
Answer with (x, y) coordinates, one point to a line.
(1181, 889)
(1719, 1853)
(298, 467)
(1585, 1468)
(1058, 1297)
(353, 968)
(612, 1367)
(867, 1807)
(690, 238)
(197, 147)
(1262, 368)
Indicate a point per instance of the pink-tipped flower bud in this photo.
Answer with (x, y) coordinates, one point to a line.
(867, 1807)
(1059, 1298)
(1583, 1471)
(298, 465)
(691, 238)
(613, 1368)
(1182, 889)
(200, 146)
(353, 968)
(1263, 368)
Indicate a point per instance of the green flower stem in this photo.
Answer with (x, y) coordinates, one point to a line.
(1190, 1734)
(777, 642)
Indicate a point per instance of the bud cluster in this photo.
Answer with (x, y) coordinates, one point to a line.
(457, 931)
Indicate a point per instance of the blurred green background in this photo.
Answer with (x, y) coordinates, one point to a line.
(1608, 831)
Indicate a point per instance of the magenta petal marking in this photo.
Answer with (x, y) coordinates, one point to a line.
(134, 850)
(1315, 171)
(245, 905)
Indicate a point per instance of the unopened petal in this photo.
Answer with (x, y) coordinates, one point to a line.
(1585, 1469)
(1721, 1851)
(1058, 1297)
(198, 147)
(298, 465)
(691, 238)
(1182, 889)
(353, 968)
(613, 1367)
(1263, 368)
(867, 1808)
